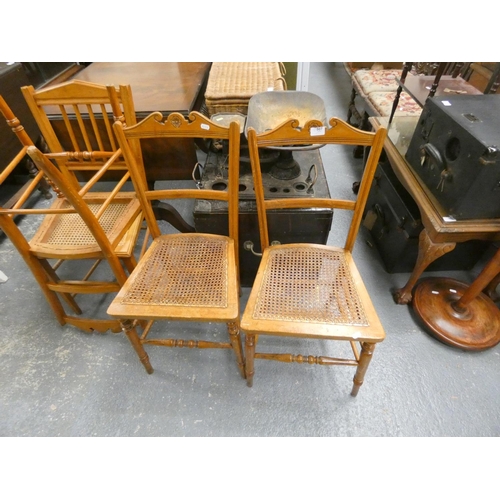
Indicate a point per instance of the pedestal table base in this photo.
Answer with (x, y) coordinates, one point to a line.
(474, 328)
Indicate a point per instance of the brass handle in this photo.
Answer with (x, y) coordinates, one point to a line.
(248, 245)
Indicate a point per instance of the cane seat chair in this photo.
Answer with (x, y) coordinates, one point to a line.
(62, 234)
(182, 276)
(312, 291)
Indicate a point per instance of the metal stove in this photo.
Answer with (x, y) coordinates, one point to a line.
(286, 172)
(286, 226)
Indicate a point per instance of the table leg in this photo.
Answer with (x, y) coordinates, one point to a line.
(428, 252)
(165, 211)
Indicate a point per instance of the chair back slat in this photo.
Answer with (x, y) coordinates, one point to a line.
(109, 128)
(83, 128)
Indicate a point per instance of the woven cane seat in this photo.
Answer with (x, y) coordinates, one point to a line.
(182, 271)
(231, 84)
(69, 235)
(310, 285)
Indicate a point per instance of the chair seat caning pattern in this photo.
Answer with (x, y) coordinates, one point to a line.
(327, 293)
(183, 271)
(71, 230)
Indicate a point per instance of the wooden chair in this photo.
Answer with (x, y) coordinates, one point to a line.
(182, 276)
(308, 290)
(63, 236)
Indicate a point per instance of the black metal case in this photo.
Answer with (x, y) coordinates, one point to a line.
(455, 152)
(393, 220)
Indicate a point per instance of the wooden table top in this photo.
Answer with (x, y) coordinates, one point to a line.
(156, 86)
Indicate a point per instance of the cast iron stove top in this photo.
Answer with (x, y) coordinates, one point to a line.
(307, 175)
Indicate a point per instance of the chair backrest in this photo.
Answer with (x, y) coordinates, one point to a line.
(289, 134)
(77, 117)
(172, 127)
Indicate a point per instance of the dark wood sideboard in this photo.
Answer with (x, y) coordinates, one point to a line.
(164, 87)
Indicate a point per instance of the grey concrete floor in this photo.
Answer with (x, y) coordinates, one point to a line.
(58, 381)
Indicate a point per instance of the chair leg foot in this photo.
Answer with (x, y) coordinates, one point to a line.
(235, 340)
(355, 390)
(364, 360)
(128, 326)
(250, 341)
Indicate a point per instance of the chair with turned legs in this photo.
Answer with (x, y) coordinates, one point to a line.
(311, 291)
(182, 276)
(62, 241)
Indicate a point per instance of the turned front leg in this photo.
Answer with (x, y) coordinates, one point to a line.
(364, 360)
(235, 339)
(428, 252)
(250, 341)
(128, 327)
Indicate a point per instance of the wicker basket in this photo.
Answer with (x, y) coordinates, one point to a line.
(231, 84)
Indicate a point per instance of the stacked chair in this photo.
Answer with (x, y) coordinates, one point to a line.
(62, 235)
